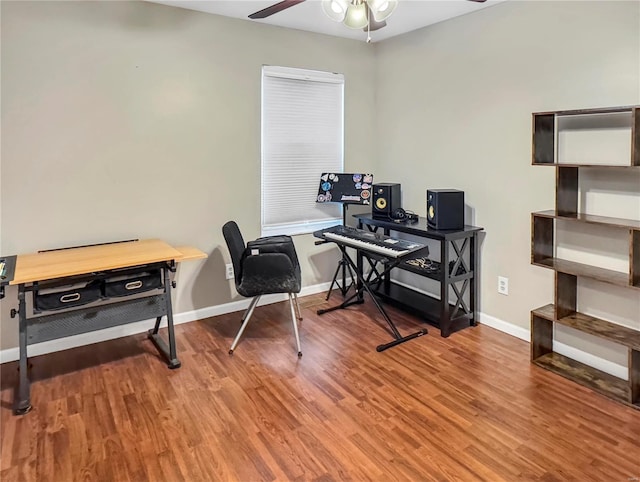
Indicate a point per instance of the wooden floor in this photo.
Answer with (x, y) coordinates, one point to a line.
(468, 407)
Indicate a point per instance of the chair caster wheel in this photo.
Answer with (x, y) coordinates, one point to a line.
(230, 352)
(299, 354)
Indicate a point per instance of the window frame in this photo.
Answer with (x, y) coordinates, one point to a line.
(335, 210)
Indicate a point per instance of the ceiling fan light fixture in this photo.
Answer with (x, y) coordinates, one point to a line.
(335, 9)
(382, 9)
(356, 16)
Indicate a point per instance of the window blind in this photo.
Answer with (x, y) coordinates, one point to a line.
(302, 137)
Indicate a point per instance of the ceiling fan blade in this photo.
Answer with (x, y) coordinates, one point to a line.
(479, 1)
(275, 8)
(373, 23)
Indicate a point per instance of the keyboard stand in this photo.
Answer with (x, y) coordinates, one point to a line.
(343, 267)
(358, 297)
(341, 271)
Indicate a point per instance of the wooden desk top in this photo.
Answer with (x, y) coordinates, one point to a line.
(76, 261)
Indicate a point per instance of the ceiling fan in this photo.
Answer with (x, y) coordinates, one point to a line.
(369, 15)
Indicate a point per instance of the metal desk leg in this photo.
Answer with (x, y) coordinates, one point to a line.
(170, 352)
(23, 402)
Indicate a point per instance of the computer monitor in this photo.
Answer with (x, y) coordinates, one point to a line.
(346, 188)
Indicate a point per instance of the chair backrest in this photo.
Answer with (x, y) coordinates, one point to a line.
(235, 243)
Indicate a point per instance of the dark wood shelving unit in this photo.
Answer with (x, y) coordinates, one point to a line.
(543, 227)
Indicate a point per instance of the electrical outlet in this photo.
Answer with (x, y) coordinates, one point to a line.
(229, 271)
(503, 285)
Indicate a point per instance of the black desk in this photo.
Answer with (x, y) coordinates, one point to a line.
(458, 250)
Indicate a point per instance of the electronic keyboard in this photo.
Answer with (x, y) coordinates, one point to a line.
(369, 241)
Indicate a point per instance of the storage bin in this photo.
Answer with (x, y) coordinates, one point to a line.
(126, 285)
(68, 297)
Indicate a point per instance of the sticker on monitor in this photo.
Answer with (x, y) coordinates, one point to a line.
(347, 188)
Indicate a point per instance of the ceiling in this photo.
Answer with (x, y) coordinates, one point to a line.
(409, 15)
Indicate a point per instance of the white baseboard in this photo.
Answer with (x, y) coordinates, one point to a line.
(503, 326)
(12, 354)
(601, 364)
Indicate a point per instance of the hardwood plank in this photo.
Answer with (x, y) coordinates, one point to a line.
(467, 407)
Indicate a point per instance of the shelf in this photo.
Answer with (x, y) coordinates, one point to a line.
(420, 228)
(591, 219)
(606, 166)
(594, 326)
(594, 111)
(578, 269)
(590, 138)
(436, 274)
(590, 377)
(547, 312)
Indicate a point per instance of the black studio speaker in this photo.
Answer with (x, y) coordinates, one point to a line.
(386, 200)
(445, 209)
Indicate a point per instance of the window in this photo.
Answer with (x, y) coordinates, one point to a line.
(302, 137)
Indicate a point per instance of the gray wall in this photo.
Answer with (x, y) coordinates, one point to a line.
(454, 104)
(129, 120)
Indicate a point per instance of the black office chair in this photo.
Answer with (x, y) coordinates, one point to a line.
(264, 266)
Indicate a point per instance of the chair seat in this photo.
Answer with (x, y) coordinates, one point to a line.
(268, 273)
